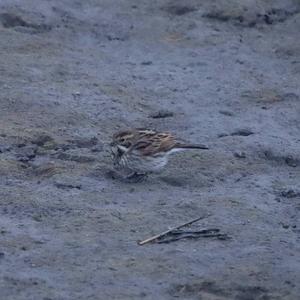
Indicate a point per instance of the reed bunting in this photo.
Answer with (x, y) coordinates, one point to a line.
(143, 151)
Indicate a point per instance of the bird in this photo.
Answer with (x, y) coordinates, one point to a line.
(145, 151)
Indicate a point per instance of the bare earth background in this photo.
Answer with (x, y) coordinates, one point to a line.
(223, 73)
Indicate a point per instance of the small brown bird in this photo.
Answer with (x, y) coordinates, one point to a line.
(144, 151)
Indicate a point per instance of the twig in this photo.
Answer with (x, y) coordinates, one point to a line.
(169, 230)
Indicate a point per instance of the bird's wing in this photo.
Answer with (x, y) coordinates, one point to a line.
(151, 143)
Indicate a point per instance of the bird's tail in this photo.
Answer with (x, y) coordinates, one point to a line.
(191, 146)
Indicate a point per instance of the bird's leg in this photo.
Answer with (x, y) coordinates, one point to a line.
(136, 177)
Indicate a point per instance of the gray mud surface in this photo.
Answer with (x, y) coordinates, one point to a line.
(221, 73)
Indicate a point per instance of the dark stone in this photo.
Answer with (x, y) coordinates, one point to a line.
(290, 194)
(11, 20)
(226, 113)
(161, 114)
(219, 16)
(292, 162)
(242, 132)
(146, 63)
(66, 186)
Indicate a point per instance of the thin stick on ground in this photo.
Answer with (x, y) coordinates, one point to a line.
(148, 240)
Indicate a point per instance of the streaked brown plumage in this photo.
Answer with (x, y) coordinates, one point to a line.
(145, 151)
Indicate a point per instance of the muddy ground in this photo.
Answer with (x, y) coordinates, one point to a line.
(223, 73)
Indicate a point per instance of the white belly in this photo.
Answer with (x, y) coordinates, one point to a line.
(143, 164)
